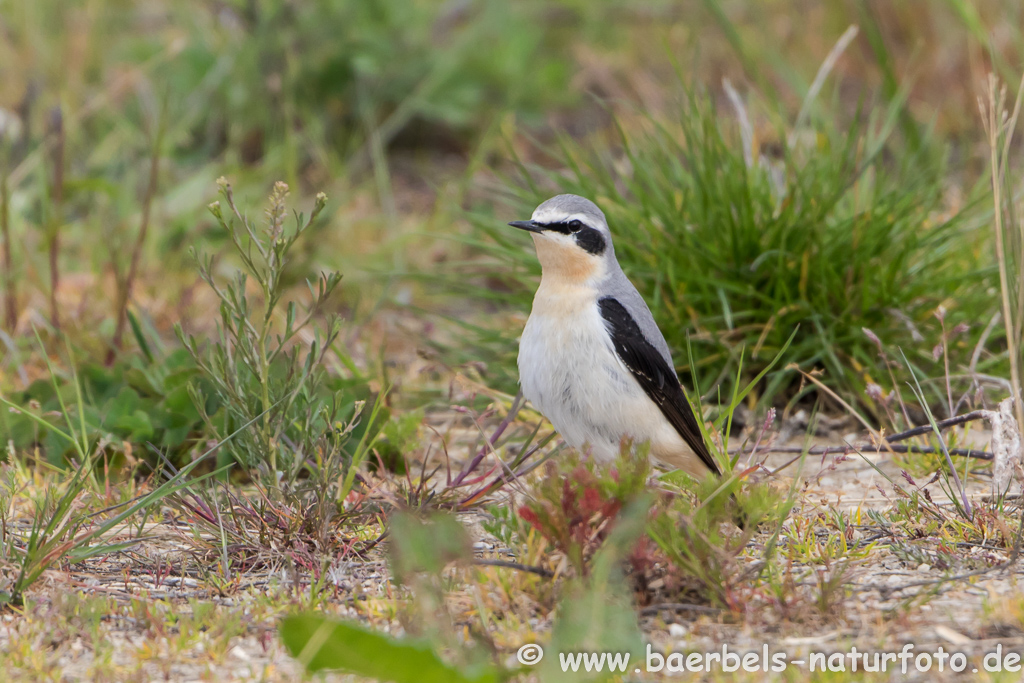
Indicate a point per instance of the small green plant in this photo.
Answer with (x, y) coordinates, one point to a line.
(504, 524)
(697, 534)
(577, 502)
(140, 402)
(63, 531)
(255, 365)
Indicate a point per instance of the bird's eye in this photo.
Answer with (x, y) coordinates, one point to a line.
(575, 225)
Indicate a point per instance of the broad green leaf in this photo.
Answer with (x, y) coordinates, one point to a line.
(320, 643)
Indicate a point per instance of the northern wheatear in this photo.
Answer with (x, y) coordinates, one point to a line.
(591, 358)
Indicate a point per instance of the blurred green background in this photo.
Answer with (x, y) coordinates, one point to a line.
(748, 199)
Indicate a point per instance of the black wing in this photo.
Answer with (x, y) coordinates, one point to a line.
(654, 375)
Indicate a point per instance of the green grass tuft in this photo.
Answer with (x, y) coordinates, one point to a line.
(828, 233)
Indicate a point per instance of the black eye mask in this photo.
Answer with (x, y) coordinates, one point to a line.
(565, 228)
(590, 240)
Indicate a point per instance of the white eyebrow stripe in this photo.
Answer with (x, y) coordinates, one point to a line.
(545, 217)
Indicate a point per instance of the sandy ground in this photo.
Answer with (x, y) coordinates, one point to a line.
(891, 601)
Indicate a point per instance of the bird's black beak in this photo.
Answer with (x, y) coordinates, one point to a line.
(532, 226)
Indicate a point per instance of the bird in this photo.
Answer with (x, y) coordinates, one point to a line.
(592, 359)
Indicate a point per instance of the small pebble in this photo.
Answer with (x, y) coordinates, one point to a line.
(676, 630)
(924, 567)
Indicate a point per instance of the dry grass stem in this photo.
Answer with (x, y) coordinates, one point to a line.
(1009, 230)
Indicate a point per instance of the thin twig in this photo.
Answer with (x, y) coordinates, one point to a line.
(10, 295)
(488, 446)
(13, 150)
(504, 478)
(651, 610)
(870, 448)
(941, 424)
(125, 287)
(539, 571)
(886, 589)
(56, 133)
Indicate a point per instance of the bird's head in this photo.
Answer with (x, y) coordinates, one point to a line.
(571, 237)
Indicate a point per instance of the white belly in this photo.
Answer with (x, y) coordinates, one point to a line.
(569, 372)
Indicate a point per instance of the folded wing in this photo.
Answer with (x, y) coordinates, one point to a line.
(655, 376)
